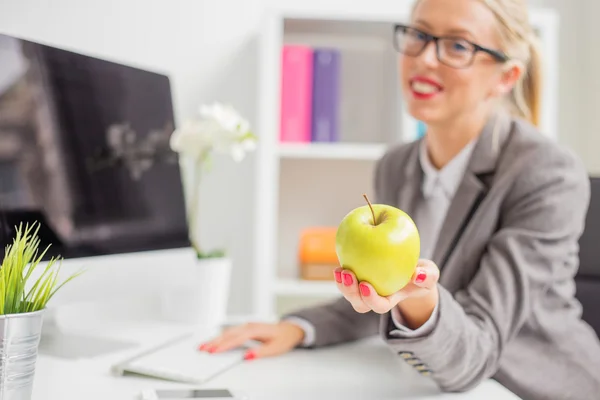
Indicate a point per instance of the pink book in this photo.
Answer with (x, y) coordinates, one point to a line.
(296, 93)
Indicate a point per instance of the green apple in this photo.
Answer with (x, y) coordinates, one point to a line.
(380, 244)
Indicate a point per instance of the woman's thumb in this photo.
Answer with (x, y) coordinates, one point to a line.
(426, 274)
(268, 349)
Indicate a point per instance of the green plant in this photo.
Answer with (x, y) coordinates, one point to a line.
(21, 260)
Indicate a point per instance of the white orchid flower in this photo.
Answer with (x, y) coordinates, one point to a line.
(220, 128)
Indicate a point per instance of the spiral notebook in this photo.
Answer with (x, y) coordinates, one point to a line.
(179, 360)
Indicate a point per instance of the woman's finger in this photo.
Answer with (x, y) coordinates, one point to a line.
(377, 303)
(348, 285)
(337, 274)
(426, 274)
(238, 337)
(210, 344)
(424, 279)
(277, 346)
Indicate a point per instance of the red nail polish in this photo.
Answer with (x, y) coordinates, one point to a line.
(202, 347)
(421, 276)
(364, 290)
(347, 279)
(250, 355)
(338, 276)
(212, 349)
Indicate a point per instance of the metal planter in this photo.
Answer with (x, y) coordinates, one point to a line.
(19, 342)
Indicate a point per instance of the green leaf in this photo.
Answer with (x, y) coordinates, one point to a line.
(211, 254)
(22, 258)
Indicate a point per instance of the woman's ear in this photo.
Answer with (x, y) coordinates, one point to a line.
(511, 72)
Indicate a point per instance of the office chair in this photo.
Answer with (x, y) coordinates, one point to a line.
(588, 276)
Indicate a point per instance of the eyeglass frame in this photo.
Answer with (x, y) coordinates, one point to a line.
(497, 55)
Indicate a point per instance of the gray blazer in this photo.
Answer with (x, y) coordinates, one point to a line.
(507, 251)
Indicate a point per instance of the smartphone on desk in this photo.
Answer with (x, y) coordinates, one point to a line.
(190, 394)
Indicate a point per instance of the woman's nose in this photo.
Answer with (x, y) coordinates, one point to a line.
(429, 54)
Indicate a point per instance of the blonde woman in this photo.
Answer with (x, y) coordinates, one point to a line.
(500, 209)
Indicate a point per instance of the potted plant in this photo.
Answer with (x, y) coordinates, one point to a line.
(25, 290)
(217, 128)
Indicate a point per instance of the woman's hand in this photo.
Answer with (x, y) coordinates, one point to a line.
(364, 298)
(276, 339)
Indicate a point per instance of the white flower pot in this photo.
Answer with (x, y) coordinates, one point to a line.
(201, 298)
(19, 344)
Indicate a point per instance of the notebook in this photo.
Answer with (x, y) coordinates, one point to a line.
(179, 360)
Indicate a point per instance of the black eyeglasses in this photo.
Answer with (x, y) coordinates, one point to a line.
(451, 51)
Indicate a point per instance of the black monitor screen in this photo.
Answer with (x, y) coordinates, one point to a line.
(84, 151)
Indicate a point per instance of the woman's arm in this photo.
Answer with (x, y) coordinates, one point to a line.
(540, 227)
(337, 322)
(416, 312)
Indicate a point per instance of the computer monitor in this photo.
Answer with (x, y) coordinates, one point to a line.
(84, 151)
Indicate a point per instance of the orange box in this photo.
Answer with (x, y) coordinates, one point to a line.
(317, 245)
(316, 253)
(317, 272)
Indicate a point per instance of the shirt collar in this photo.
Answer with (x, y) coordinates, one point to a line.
(449, 177)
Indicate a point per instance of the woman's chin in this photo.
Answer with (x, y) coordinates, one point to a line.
(425, 115)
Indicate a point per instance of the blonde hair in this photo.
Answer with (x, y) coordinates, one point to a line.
(519, 42)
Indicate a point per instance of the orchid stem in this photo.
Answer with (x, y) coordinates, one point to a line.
(193, 206)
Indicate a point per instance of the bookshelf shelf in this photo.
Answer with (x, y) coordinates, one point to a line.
(339, 151)
(307, 184)
(297, 287)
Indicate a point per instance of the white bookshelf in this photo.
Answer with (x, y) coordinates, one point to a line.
(316, 184)
(296, 287)
(332, 151)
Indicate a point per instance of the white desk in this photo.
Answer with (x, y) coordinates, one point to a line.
(357, 371)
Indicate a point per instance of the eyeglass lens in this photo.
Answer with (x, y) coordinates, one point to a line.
(451, 51)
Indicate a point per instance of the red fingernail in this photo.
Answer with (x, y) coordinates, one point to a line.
(250, 355)
(421, 276)
(202, 347)
(364, 290)
(347, 279)
(212, 349)
(338, 276)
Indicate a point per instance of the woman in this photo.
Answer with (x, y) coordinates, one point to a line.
(499, 207)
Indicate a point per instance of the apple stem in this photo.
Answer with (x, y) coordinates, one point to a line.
(371, 207)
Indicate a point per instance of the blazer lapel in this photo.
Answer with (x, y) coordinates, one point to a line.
(472, 189)
(469, 195)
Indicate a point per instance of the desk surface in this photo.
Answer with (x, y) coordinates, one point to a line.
(356, 371)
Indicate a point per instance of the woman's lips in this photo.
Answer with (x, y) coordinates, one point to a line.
(424, 88)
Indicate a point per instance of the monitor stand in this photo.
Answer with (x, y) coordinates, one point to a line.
(55, 342)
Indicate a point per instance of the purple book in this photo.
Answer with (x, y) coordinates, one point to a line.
(326, 87)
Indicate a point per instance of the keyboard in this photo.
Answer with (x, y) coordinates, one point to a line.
(180, 361)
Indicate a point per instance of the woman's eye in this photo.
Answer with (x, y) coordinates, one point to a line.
(421, 36)
(459, 46)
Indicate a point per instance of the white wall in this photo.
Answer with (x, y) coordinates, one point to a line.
(207, 47)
